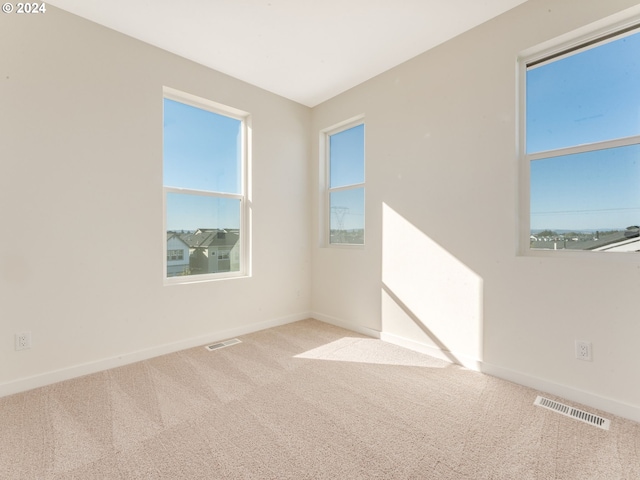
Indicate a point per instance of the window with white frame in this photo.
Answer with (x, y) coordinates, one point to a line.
(173, 255)
(204, 177)
(345, 197)
(581, 145)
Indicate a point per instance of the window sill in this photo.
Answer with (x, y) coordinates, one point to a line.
(204, 278)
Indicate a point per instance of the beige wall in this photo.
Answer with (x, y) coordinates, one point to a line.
(440, 271)
(81, 193)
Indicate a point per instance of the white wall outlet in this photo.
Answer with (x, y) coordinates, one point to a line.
(583, 350)
(23, 340)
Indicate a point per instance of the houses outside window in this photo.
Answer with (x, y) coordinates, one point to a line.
(177, 255)
(345, 184)
(580, 144)
(204, 176)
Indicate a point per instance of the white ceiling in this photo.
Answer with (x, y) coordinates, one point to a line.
(305, 50)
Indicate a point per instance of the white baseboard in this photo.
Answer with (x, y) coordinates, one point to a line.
(369, 332)
(569, 393)
(585, 398)
(75, 371)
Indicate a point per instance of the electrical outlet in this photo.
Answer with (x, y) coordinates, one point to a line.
(23, 340)
(583, 350)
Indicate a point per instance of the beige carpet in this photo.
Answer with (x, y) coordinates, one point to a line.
(302, 401)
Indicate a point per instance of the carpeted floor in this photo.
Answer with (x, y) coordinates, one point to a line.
(302, 401)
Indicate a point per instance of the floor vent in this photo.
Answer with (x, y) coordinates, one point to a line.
(576, 413)
(226, 343)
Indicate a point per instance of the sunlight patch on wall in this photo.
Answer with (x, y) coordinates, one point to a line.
(429, 297)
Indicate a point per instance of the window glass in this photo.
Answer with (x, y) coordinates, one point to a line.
(205, 224)
(587, 97)
(347, 157)
(346, 198)
(202, 149)
(579, 199)
(204, 200)
(190, 212)
(586, 100)
(347, 216)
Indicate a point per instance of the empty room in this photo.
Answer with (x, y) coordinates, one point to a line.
(285, 239)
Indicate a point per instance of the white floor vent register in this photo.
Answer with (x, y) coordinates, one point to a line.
(576, 413)
(226, 343)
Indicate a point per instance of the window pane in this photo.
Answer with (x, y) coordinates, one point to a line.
(346, 163)
(202, 150)
(347, 216)
(208, 229)
(588, 97)
(585, 201)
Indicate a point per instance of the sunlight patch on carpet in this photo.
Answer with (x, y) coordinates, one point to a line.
(365, 350)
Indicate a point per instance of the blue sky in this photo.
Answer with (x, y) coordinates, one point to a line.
(347, 157)
(201, 152)
(587, 97)
(347, 168)
(605, 195)
(190, 212)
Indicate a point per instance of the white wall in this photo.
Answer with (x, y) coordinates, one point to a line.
(81, 244)
(440, 271)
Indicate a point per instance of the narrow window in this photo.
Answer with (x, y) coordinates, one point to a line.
(204, 159)
(345, 181)
(582, 146)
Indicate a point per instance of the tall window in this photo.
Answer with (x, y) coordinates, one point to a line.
(204, 159)
(582, 145)
(345, 180)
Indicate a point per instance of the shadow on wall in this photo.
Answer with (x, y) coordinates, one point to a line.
(431, 301)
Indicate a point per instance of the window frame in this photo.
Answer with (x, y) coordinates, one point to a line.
(178, 256)
(591, 36)
(244, 196)
(325, 182)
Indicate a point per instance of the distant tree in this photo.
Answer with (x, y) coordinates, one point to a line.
(547, 233)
